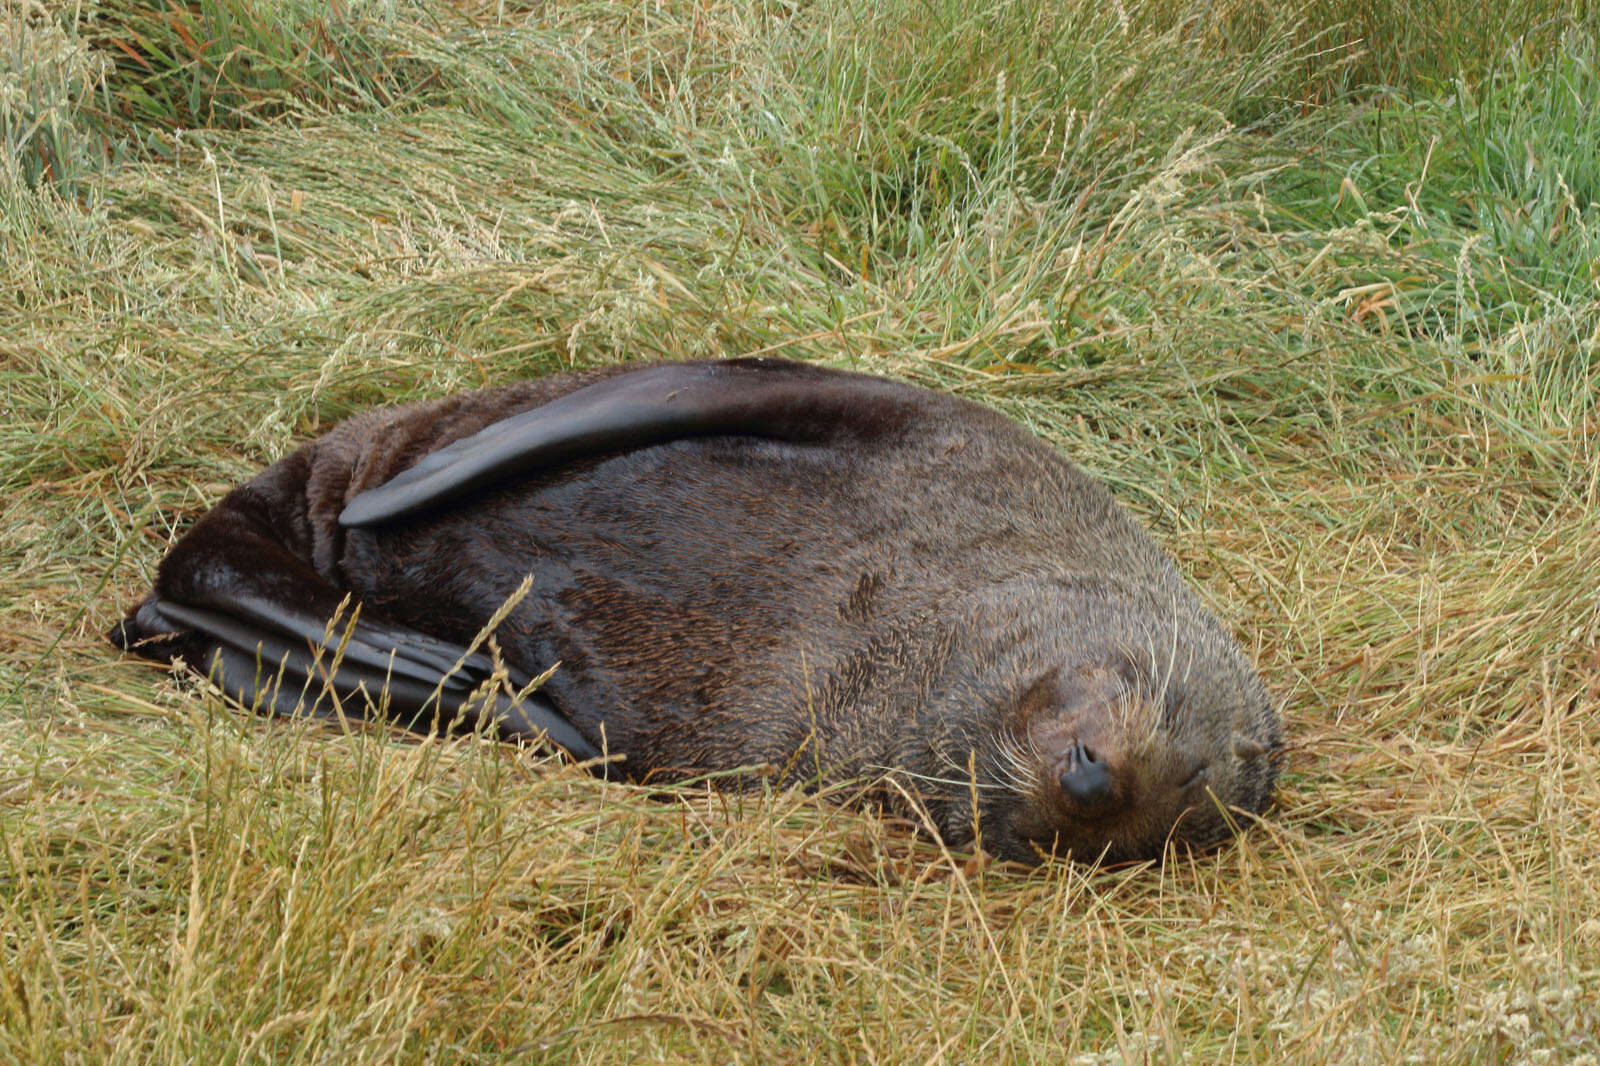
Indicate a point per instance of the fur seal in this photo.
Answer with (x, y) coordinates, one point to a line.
(744, 563)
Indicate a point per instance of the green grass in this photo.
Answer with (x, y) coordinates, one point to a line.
(49, 77)
(236, 63)
(1318, 297)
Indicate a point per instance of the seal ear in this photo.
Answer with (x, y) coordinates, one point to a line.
(1247, 748)
(774, 399)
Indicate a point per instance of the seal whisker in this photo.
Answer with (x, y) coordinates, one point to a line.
(958, 783)
(1016, 760)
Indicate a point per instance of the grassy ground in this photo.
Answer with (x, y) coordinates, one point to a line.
(1319, 299)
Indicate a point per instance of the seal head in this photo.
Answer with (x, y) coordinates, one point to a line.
(1097, 723)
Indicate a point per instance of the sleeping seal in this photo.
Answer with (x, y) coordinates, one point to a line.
(753, 563)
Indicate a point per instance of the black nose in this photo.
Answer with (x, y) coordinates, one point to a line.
(1086, 779)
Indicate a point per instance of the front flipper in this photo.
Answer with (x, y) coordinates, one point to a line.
(773, 399)
(231, 598)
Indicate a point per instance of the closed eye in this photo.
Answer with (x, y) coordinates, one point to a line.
(1196, 777)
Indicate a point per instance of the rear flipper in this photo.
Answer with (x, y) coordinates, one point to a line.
(233, 601)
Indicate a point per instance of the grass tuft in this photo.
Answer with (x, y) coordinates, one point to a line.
(49, 84)
(238, 63)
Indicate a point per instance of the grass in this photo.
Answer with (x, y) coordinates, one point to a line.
(1316, 297)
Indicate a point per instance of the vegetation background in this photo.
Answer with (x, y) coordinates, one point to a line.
(1315, 288)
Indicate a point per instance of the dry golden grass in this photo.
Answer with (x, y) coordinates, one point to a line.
(1346, 380)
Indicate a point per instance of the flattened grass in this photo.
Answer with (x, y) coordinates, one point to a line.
(1338, 351)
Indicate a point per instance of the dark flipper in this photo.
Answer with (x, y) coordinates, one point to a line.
(277, 656)
(231, 598)
(760, 398)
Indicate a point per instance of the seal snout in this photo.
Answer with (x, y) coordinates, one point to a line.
(1086, 780)
(1085, 726)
